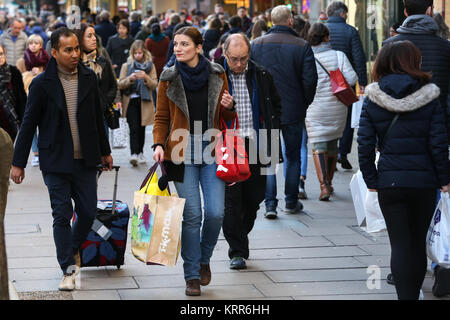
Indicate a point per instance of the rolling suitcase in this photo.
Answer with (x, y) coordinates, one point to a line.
(106, 242)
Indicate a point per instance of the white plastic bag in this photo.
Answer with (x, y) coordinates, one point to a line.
(367, 208)
(356, 112)
(120, 136)
(374, 217)
(358, 190)
(438, 237)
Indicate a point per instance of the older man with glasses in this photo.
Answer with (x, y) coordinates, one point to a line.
(258, 107)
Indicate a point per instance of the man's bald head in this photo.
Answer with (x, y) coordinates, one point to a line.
(236, 40)
(237, 52)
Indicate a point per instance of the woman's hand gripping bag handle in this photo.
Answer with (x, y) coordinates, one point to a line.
(154, 186)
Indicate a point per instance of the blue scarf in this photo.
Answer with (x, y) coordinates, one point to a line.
(194, 78)
(139, 85)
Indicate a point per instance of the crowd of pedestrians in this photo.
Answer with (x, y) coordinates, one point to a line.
(188, 71)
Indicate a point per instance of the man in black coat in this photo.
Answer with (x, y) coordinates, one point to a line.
(258, 106)
(290, 61)
(421, 29)
(345, 38)
(105, 28)
(64, 103)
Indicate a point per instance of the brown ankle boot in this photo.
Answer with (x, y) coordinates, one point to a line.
(193, 287)
(320, 162)
(332, 159)
(205, 274)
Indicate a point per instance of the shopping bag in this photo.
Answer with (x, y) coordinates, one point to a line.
(358, 190)
(151, 185)
(367, 208)
(120, 136)
(156, 228)
(356, 112)
(340, 87)
(374, 217)
(438, 237)
(156, 223)
(231, 156)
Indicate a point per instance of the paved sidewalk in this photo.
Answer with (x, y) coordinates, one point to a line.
(317, 254)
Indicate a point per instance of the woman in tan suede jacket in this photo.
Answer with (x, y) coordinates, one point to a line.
(192, 96)
(137, 81)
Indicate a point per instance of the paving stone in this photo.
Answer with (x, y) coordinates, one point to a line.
(96, 295)
(37, 285)
(31, 251)
(319, 288)
(107, 283)
(348, 240)
(324, 231)
(377, 249)
(21, 241)
(289, 242)
(217, 279)
(208, 293)
(302, 264)
(318, 252)
(38, 262)
(323, 275)
(381, 261)
(52, 273)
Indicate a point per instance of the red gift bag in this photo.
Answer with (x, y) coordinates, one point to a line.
(340, 87)
(231, 157)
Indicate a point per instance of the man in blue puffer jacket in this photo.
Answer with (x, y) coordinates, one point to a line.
(291, 62)
(345, 38)
(420, 28)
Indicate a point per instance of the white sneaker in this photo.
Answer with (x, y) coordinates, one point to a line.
(35, 161)
(421, 296)
(134, 160)
(141, 158)
(67, 283)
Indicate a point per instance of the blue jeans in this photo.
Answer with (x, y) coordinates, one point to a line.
(81, 186)
(197, 241)
(304, 154)
(291, 145)
(34, 145)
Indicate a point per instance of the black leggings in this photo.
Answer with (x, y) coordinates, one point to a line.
(137, 131)
(408, 214)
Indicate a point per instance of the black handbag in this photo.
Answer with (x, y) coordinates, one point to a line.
(112, 117)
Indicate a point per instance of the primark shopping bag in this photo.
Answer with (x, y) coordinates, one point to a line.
(438, 237)
(156, 223)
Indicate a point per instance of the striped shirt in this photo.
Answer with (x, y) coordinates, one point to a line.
(69, 82)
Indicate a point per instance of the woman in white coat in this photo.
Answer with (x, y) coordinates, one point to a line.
(326, 116)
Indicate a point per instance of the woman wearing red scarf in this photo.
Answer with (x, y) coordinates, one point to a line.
(34, 61)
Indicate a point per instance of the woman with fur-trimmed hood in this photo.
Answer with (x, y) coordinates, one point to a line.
(414, 159)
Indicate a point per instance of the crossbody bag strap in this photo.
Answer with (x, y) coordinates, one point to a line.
(322, 66)
(394, 120)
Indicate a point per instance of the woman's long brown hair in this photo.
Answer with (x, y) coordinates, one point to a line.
(400, 57)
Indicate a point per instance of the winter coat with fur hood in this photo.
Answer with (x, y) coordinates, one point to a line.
(415, 154)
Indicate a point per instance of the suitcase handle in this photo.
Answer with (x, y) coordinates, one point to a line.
(116, 168)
